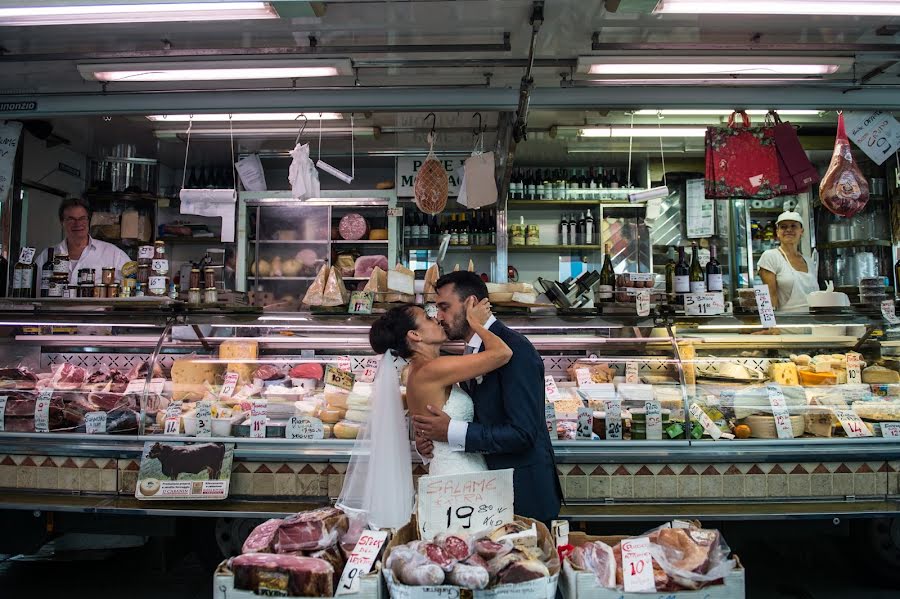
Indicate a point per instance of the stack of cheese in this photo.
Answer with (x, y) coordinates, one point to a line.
(190, 377)
(358, 411)
(327, 289)
(522, 293)
(431, 276)
(334, 408)
(241, 355)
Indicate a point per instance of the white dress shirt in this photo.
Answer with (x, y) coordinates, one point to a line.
(97, 255)
(456, 431)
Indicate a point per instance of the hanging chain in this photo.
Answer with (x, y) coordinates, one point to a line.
(187, 149)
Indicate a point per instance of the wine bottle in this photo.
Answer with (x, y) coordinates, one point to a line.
(563, 231)
(589, 229)
(607, 283)
(463, 230)
(614, 180)
(682, 276)
(582, 224)
(698, 277)
(46, 273)
(713, 272)
(513, 186)
(529, 186)
(573, 229)
(670, 275)
(492, 227)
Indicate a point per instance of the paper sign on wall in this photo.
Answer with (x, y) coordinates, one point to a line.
(700, 211)
(637, 566)
(360, 561)
(876, 133)
(764, 305)
(464, 502)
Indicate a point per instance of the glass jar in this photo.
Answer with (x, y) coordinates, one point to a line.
(157, 286)
(194, 296)
(85, 276)
(211, 296)
(143, 274)
(145, 254)
(86, 290)
(58, 284)
(109, 275)
(61, 264)
(209, 277)
(112, 290)
(195, 278)
(99, 291)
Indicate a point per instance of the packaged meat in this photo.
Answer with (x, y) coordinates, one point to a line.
(20, 404)
(469, 577)
(286, 575)
(844, 190)
(365, 265)
(313, 295)
(261, 538)
(17, 378)
(333, 556)
(267, 372)
(597, 557)
(353, 227)
(412, 568)
(311, 531)
(68, 376)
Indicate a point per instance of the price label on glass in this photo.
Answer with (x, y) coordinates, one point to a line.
(2, 412)
(585, 423)
(344, 363)
(26, 256)
(204, 419)
(704, 304)
(172, 424)
(160, 266)
(852, 424)
(146, 252)
(259, 411)
(642, 302)
(550, 418)
(780, 411)
(890, 430)
(889, 312)
(360, 561)
(42, 411)
(613, 419)
(637, 566)
(95, 423)
(764, 305)
(854, 370)
(653, 415)
(229, 384)
(339, 378)
(551, 391)
(368, 375)
(305, 427)
(706, 422)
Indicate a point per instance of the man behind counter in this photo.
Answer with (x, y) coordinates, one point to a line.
(83, 250)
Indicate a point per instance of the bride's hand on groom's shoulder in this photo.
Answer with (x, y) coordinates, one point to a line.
(478, 312)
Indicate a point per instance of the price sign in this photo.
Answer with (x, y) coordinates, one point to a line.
(764, 305)
(26, 256)
(338, 378)
(637, 566)
(613, 419)
(585, 428)
(160, 266)
(704, 304)
(783, 425)
(890, 430)
(172, 425)
(158, 285)
(550, 418)
(344, 363)
(146, 252)
(876, 133)
(204, 419)
(42, 411)
(469, 502)
(551, 391)
(851, 423)
(229, 384)
(889, 312)
(360, 561)
(642, 302)
(373, 362)
(305, 427)
(706, 422)
(95, 423)
(2, 412)
(653, 420)
(392, 212)
(854, 371)
(361, 302)
(631, 373)
(259, 411)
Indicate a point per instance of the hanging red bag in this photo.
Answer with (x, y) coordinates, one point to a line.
(797, 172)
(741, 161)
(843, 190)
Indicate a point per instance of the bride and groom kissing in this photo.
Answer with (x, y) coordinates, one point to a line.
(483, 410)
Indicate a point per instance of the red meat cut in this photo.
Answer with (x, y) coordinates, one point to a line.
(68, 376)
(267, 372)
(260, 540)
(311, 531)
(270, 574)
(844, 189)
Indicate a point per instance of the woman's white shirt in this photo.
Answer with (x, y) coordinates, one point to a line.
(793, 285)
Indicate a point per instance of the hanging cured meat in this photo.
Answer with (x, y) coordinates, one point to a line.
(843, 190)
(432, 185)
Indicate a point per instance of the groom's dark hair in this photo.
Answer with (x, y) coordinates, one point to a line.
(464, 283)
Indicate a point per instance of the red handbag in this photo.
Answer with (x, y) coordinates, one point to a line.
(741, 161)
(797, 173)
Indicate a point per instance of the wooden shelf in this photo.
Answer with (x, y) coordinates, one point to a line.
(855, 243)
(770, 211)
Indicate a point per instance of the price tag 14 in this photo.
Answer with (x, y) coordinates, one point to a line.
(764, 304)
(551, 391)
(653, 415)
(585, 424)
(642, 302)
(204, 419)
(2, 412)
(613, 419)
(360, 561)
(172, 425)
(26, 256)
(637, 566)
(780, 411)
(706, 422)
(42, 411)
(259, 411)
(229, 384)
(95, 423)
(852, 424)
(890, 430)
(305, 427)
(854, 370)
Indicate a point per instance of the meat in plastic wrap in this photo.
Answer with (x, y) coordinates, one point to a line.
(315, 292)
(366, 265)
(284, 575)
(335, 293)
(844, 189)
(311, 531)
(599, 558)
(261, 538)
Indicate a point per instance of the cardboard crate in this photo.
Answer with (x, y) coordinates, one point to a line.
(583, 585)
(542, 588)
(371, 586)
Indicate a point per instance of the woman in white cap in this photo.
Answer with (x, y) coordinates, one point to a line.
(790, 275)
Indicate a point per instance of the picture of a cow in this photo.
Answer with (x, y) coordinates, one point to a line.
(189, 459)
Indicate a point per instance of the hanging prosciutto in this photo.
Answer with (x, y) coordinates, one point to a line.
(844, 189)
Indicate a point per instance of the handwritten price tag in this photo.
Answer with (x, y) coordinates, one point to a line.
(42, 411)
(368, 375)
(204, 419)
(852, 424)
(889, 312)
(305, 427)
(146, 252)
(172, 424)
(95, 423)
(551, 391)
(637, 566)
(26, 256)
(344, 363)
(764, 304)
(653, 420)
(583, 377)
(2, 412)
(642, 302)
(585, 428)
(613, 419)
(780, 411)
(704, 304)
(854, 371)
(890, 430)
(339, 378)
(550, 418)
(259, 411)
(360, 561)
(464, 502)
(160, 266)
(229, 384)
(706, 422)
(631, 373)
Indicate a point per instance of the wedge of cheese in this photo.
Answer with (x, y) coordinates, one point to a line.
(524, 298)
(313, 295)
(471, 266)
(247, 351)
(784, 373)
(377, 282)
(431, 276)
(810, 378)
(402, 280)
(335, 293)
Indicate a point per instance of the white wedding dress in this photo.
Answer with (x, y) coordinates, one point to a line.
(460, 407)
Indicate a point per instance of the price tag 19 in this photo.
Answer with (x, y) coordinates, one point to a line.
(706, 422)
(305, 427)
(204, 419)
(259, 411)
(444, 505)
(172, 424)
(653, 415)
(95, 423)
(585, 424)
(780, 411)
(229, 384)
(2, 412)
(26, 256)
(551, 391)
(889, 312)
(704, 304)
(613, 419)
(854, 371)
(890, 430)
(852, 424)
(764, 304)
(360, 561)
(642, 302)
(637, 566)
(42, 411)
(631, 373)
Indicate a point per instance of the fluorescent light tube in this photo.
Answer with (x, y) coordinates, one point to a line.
(723, 68)
(261, 132)
(642, 132)
(262, 116)
(655, 193)
(720, 112)
(857, 8)
(214, 70)
(138, 12)
(321, 164)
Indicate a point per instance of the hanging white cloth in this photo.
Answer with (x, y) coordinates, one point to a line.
(212, 202)
(303, 176)
(480, 185)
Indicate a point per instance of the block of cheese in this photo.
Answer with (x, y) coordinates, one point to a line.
(313, 295)
(496, 288)
(524, 298)
(499, 296)
(401, 280)
(689, 359)
(189, 378)
(784, 373)
(377, 282)
(810, 378)
(431, 276)
(471, 266)
(244, 353)
(879, 374)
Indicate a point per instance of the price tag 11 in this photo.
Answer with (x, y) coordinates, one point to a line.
(637, 566)
(42, 411)
(259, 411)
(764, 304)
(305, 427)
(613, 419)
(706, 422)
(204, 419)
(889, 312)
(95, 423)
(229, 384)
(2, 412)
(26, 256)
(852, 424)
(585, 428)
(653, 415)
(704, 304)
(642, 302)
(631, 373)
(360, 561)
(550, 418)
(780, 411)
(854, 371)
(890, 430)
(172, 424)
(551, 391)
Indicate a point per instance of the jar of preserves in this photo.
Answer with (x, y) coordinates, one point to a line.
(71, 292)
(59, 283)
(99, 290)
(61, 264)
(143, 274)
(109, 275)
(112, 290)
(209, 277)
(145, 254)
(86, 290)
(195, 277)
(194, 296)
(211, 296)
(157, 286)
(85, 276)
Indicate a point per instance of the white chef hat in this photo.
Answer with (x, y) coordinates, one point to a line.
(789, 215)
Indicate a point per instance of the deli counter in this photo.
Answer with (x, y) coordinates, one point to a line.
(705, 416)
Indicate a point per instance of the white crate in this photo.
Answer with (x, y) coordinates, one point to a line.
(542, 588)
(371, 586)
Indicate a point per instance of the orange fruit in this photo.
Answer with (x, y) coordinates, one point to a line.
(742, 431)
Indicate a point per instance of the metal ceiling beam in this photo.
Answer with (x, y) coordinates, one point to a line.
(687, 48)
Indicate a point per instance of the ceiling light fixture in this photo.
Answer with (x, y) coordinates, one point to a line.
(135, 12)
(610, 132)
(720, 112)
(263, 132)
(245, 117)
(857, 8)
(214, 70)
(724, 66)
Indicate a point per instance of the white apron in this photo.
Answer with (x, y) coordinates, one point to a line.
(804, 284)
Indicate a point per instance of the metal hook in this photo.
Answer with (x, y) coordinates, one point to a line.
(302, 129)
(433, 121)
(479, 129)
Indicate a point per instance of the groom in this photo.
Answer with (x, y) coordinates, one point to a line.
(509, 427)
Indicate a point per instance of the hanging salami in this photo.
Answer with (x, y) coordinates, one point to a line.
(843, 190)
(432, 185)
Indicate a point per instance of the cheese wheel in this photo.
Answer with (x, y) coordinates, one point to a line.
(357, 415)
(336, 399)
(330, 415)
(808, 378)
(327, 431)
(378, 234)
(346, 430)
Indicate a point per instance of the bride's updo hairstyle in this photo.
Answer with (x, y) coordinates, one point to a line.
(389, 331)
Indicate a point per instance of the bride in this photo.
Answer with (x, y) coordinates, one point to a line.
(378, 483)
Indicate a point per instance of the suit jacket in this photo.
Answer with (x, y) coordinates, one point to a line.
(510, 428)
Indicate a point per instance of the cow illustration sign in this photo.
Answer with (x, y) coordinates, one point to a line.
(172, 470)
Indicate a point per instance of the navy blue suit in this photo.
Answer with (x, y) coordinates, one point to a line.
(510, 428)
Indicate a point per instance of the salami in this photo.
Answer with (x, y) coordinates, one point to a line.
(844, 189)
(437, 555)
(489, 549)
(353, 227)
(432, 186)
(456, 547)
(469, 577)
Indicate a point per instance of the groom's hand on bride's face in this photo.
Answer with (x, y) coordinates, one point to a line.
(432, 426)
